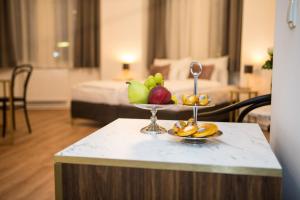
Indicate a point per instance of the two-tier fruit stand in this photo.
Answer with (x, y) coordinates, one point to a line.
(153, 127)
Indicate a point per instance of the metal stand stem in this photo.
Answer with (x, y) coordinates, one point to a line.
(153, 119)
(153, 127)
(195, 113)
(196, 75)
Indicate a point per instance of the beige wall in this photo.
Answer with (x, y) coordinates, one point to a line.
(123, 31)
(257, 37)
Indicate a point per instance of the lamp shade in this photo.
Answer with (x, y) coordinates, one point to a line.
(126, 66)
(248, 69)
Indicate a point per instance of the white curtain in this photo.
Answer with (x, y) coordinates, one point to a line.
(55, 33)
(43, 32)
(194, 28)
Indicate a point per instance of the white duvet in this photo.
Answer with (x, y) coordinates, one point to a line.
(115, 92)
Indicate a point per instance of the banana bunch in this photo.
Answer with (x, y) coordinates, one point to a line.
(191, 129)
(191, 100)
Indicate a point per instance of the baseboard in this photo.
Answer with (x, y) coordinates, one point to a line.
(48, 105)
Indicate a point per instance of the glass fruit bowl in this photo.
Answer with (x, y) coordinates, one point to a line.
(153, 127)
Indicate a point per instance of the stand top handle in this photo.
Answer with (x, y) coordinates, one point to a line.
(196, 68)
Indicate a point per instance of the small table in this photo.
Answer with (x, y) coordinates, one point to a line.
(118, 162)
(6, 84)
(235, 96)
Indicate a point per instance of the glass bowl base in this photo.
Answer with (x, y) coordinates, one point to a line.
(153, 129)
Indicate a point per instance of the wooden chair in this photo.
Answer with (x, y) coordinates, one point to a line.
(17, 101)
(248, 105)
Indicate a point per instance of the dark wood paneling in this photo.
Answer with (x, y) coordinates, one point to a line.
(102, 182)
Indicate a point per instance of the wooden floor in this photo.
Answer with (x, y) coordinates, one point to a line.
(26, 168)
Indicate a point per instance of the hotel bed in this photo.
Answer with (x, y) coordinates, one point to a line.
(105, 101)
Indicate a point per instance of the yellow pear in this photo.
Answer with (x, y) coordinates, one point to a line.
(190, 100)
(203, 100)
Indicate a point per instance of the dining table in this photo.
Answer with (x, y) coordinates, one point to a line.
(119, 162)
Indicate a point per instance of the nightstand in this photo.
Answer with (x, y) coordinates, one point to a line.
(235, 96)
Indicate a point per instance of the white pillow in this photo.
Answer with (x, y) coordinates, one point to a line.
(220, 72)
(183, 68)
(176, 67)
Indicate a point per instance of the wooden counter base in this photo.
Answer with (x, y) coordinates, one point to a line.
(75, 181)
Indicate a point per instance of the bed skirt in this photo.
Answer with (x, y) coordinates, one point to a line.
(105, 113)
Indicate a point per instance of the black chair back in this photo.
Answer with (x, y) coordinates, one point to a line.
(25, 70)
(249, 105)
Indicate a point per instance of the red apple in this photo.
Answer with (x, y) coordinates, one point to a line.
(159, 95)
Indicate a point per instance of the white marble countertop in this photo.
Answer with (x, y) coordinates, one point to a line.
(242, 149)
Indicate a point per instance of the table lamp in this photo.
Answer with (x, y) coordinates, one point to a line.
(126, 74)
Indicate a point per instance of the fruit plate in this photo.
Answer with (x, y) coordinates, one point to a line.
(189, 139)
(154, 106)
(210, 105)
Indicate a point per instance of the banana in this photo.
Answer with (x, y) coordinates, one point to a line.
(191, 121)
(183, 129)
(188, 130)
(208, 130)
(174, 99)
(178, 126)
(181, 124)
(176, 129)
